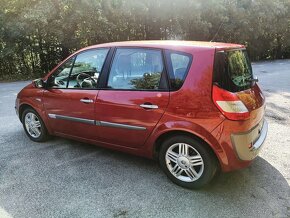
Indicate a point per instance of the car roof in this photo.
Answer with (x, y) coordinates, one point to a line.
(169, 44)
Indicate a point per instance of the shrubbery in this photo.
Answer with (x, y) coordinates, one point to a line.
(35, 35)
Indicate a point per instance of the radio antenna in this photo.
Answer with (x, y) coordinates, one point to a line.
(217, 31)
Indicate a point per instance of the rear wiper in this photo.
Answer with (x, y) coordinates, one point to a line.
(255, 79)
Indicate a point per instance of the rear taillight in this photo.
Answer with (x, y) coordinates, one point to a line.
(229, 104)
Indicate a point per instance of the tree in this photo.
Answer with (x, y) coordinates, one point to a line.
(35, 35)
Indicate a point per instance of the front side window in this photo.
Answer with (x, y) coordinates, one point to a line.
(178, 64)
(87, 68)
(137, 69)
(60, 76)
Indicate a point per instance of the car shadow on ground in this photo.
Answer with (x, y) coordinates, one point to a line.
(65, 152)
(256, 175)
(260, 177)
(62, 168)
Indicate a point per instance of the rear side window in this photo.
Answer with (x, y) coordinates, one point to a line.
(233, 70)
(178, 64)
(137, 69)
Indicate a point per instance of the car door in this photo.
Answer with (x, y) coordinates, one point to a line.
(133, 98)
(71, 93)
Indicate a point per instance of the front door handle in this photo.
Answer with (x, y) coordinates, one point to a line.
(87, 100)
(149, 106)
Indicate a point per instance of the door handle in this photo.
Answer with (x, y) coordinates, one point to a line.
(149, 106)
(86, 100)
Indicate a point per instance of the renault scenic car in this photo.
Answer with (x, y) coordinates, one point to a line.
(193, 106)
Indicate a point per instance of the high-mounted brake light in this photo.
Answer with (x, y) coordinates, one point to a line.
(229, 104)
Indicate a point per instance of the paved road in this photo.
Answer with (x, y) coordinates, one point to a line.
(64, 178)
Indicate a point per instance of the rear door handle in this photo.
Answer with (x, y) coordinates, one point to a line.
(87, 100)
(149, 106)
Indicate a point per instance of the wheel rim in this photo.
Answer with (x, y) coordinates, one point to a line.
(184, 162)
(32, 124)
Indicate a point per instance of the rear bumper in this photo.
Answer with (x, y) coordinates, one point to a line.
(247, 145)
(239, 142)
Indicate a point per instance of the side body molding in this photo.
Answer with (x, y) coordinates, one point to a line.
(95, 122)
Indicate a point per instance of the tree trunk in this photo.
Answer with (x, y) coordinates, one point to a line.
(279, 48)
(64, 52)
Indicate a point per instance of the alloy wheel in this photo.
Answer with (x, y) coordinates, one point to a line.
(32, 125)
(184, 162)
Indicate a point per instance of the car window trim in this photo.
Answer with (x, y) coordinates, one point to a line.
(106, 69)
(75, 57)
(164, 71)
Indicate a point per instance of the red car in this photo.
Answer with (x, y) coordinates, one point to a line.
(194, 106)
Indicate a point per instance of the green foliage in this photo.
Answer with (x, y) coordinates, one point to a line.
(239, 68)
(35, 35)
(148, 81)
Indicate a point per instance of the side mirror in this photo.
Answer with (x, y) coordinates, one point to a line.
(38, 83)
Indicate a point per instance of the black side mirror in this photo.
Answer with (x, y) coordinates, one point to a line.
(38, 83)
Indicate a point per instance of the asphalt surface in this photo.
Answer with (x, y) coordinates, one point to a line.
(64, 178)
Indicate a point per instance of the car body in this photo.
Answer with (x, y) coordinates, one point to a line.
(117, 104)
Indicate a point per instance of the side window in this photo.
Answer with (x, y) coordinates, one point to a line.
(87, 68)
(137, 69)
(178, 64)
(60, 76)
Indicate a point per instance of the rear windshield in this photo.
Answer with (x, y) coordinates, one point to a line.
(233, 70)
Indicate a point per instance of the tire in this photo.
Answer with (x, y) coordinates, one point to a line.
(34, 126)
(187, 162)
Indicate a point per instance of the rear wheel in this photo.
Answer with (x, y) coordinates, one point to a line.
(34, 126)
(187, 162)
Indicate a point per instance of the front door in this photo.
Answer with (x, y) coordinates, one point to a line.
(71, 93)
(134, 97)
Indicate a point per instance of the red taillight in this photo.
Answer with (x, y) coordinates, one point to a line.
(229, 104)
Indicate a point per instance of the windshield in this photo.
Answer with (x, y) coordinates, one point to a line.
(233, 70)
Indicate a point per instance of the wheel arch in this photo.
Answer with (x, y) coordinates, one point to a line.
(165, 135)
(40, 112)
(22, 108)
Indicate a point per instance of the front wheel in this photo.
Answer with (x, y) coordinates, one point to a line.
(34, 126)
(187, 162)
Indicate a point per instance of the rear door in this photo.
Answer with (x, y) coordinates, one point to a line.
(134, 97)
(71, 93)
